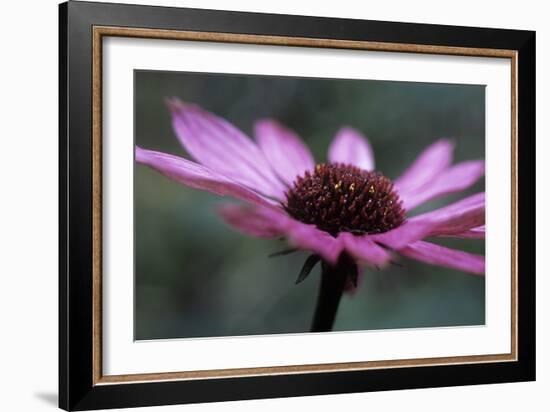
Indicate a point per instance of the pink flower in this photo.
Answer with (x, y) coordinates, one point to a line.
(342, 206)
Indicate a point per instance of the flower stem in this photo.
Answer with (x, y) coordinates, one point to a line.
(333, 281)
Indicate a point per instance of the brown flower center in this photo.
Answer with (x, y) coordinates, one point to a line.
(343, 198)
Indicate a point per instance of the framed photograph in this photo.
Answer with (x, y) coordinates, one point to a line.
(257, 205)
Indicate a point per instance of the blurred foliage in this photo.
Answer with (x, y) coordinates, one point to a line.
(197, 277)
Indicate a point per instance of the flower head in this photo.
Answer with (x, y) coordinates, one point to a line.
(338, 197)
(339, 208)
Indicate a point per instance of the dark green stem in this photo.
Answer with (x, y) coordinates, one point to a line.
(333, 282)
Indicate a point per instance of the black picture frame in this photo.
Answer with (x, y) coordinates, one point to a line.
(77, 389)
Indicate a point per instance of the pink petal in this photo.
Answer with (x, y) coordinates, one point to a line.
(255, 221)
(365, 249)
(457, 217)
(449, 220)
(454, 179)
(408, 232)
(288, 156)
(442, 256)
(310, 238)
(217, 144)
(475, 233)
(262, 222)
(351, 147)
(431, 162)
(199, 177)
(350, 287)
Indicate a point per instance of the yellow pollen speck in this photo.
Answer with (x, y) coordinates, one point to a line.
(371, 189)
(352, 187)
(338, 185)
(318, 167)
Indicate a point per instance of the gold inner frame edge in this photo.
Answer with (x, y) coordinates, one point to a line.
(99, 32)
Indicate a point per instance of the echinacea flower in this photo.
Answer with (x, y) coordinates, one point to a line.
(344, 211)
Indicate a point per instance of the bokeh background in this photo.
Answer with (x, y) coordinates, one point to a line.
(197, 277)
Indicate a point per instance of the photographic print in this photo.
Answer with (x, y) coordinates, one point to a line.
(271, 205)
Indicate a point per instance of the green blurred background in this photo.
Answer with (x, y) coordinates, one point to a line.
(197, 277)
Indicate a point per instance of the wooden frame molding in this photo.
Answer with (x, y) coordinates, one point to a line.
(99, 32)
